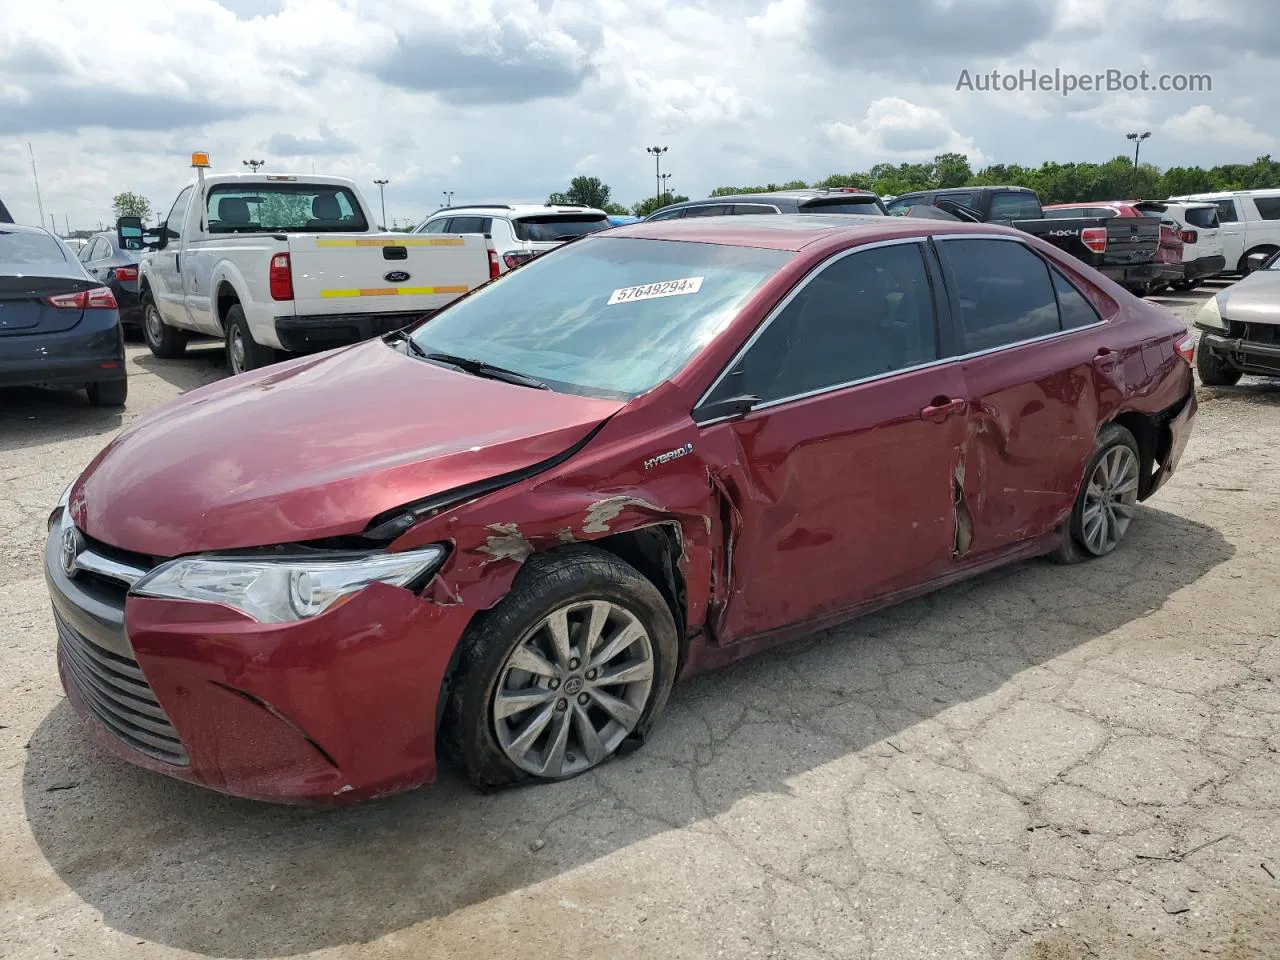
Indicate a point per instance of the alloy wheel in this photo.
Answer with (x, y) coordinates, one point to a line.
(1109, 500)
(573, 688)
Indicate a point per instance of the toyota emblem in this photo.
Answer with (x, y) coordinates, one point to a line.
(72, 544)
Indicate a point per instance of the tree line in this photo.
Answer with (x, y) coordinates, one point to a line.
(1116, 179)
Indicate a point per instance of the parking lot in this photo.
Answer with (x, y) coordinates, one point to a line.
(1046, 762)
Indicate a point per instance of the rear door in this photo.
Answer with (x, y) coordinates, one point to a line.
(843, 484)
(38, 280)
(1037, 364)
(336, 274)
(1232, 230)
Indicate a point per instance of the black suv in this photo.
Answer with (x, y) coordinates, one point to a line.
(834, 200)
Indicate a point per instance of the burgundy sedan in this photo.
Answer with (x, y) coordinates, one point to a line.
(505, 533)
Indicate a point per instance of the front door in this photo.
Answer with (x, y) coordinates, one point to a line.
(842, 480)
(1038, 363)
(166, 271)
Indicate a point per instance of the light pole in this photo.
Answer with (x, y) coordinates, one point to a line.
(657, 153)
(254, 164)
(382, 196)
(1137, 139)
(36, 178)
(665, 190)
(448, 197)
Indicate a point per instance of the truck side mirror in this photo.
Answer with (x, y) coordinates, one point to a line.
(162, 236)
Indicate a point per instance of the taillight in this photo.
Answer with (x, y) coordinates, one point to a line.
(99, 298)
(1095, 238)
(125, 274)
(494, 267)
(1186, 347)
(280, 277)
(1189, 236)
(513, 260)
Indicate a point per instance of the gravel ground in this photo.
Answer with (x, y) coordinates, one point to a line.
(1043, 763)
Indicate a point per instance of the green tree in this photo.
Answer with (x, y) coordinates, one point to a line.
(766, 188)
(614, 209)
(650, 204)
(587, 191)
(129, 204)
(951, 170)
(860, 180)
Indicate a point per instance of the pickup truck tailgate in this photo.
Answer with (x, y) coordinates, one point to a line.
(1132, 240)
(367, 273)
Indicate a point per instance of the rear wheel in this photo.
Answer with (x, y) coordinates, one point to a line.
(1104, 507)
(243, 352)
(574, 664)
(1185, 285)
(165, 342)
(1214, 369)
(108, 393)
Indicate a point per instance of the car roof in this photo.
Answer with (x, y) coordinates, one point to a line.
(516, 210)
(1227, 194)
(795, 231)
(810, 193)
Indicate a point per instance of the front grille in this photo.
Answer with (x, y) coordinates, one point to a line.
(116, 692)
(1264, 333)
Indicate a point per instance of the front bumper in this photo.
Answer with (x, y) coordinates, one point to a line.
(90, 352)
(1242, 350)
(331, 710)
(323, 332)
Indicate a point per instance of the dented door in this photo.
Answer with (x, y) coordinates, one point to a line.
(842, 498)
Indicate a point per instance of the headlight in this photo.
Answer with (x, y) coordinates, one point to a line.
(1210, 316)
(61, 505)
(285, 589)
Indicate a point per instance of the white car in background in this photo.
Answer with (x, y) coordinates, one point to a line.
(1249, 222)
(1201, 236)
(516, 232)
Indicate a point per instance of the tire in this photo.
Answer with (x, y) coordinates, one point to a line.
(242, 351)
(1184, 285)
(1214, 371)
(164, 341)
(579, 580)
(1115, 446)
(108, 393)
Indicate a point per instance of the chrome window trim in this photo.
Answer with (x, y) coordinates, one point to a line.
(959, 358)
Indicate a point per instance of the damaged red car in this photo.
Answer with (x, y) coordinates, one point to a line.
(503, 534)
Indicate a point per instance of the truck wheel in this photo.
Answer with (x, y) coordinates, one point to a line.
(165, 342)
(1214, 370)
(243, 352)
(108, 393)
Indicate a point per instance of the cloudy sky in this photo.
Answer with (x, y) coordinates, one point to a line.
(508, 99)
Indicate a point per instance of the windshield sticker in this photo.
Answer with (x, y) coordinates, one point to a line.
(650, 291)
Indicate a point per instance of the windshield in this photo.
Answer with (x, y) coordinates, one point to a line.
(606, 316)
(29, 247)
(553, 227)
(271, 207)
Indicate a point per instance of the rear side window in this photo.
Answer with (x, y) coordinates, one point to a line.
(1073, 307)
(280, 206)
(1206, 218)
(867, 314)
(553, 227)
(752, 209)
(1268, 207)
(1014, 206)
(1006, 295)
(866, 208)
(29, 248)
(710, 210)
(469, 225)
(1226, 211)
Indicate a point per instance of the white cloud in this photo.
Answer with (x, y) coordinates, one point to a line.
(781, 20)
(895, 129)
(1202, 123)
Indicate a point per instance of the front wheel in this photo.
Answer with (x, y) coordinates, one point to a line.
(575, 662)
(1105, 505)
(1214, 370)
(164, 341)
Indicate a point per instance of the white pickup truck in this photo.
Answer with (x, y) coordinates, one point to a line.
(272, 263)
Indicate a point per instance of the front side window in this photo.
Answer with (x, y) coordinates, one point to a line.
(606, 316)
(667, 214)
(173, 222)
(282, 207)
(869, 313)
(1005, 292)
(1014, 206)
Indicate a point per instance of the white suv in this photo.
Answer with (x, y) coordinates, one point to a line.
(1201, 237)
(517, 232)
(1249, 222)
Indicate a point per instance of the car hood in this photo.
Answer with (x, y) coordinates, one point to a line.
(1254, 299)
(315, 448)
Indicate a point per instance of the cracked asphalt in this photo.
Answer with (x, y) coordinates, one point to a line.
(1045, 763)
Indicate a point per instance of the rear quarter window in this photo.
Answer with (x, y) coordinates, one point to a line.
(1206, 218)
(1268, 207)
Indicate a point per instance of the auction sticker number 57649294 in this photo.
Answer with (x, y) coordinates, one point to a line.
(664, 288)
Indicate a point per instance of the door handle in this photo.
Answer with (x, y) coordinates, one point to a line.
(177, 263)
(941, 408)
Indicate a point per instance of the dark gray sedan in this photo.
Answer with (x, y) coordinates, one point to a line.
(1240, 327)
(59, 327)
(114, 261)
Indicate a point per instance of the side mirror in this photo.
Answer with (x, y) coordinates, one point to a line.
(1256, 261)
(162, 236)
(726, 409)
